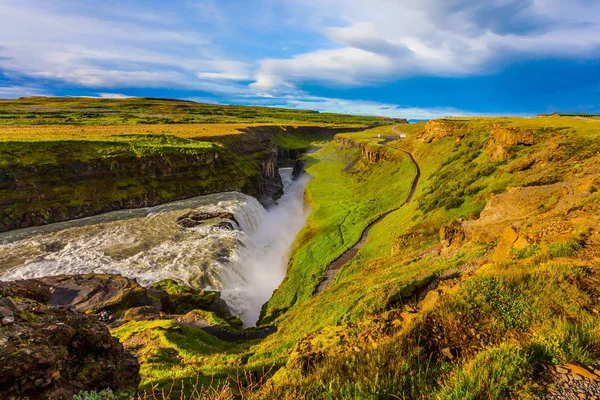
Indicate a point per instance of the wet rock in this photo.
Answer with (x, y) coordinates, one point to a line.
(8, 319)
(113, 299)
(52, 247)
(197, 217)
(92, 293)
(31, 289)
(9, 304)
(142, 314)
(55, 352)
(228, 225)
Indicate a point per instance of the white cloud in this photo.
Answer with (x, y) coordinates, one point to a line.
(44, 40)
(389, 40)
(113, 96)
(210, 46)
(359, 107)
(14, 91)
(324, 65)
(227, 70)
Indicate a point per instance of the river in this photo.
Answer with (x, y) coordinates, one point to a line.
(245, 264)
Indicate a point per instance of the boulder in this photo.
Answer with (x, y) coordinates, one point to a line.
(55, 352)
(197, 217)
(112, 297)
(92, 293)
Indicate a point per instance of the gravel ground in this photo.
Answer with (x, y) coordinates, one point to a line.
(571, 382)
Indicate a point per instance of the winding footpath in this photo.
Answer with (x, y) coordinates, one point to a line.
(345, 258)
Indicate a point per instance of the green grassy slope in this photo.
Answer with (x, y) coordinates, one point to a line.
(370, 335)
(412, 318)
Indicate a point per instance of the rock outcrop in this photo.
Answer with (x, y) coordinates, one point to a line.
(111, 297)
(453, 235)
(195, 218)
(55, 352)
(369, 152)
(439, 129)
(502, 140)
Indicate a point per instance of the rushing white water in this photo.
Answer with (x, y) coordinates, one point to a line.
(246, 265)
(263, 261)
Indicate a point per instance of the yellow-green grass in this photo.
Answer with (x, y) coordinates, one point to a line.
(544, 312)
(90, 111)
(170, 352)
(110, 132)
(345, 195)
(368, 269)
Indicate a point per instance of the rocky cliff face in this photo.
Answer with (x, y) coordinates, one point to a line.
(368, 152)
(55, 352)
(502, 141)
(439, 129)
(39, 194)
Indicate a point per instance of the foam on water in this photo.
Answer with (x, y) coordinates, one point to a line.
(148, 245)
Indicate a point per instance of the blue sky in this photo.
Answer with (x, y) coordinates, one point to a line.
(402, 58)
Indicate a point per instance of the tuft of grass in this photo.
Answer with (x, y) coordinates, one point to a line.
(564, 341)
(497, 373)
(564, 249)
(526, 252)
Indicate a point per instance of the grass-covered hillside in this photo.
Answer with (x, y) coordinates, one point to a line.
(476, 289)
(132, 111)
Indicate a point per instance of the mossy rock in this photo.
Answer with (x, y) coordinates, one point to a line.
(183, 299)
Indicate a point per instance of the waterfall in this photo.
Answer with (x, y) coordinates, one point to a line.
(262, 260)
(249, 215)
(146, 244)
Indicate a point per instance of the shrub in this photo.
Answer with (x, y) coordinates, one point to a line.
(501, 299)
(526, 252)
(106, 394)
(564, 249)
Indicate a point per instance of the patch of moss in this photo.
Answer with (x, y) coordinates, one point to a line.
(183, 299)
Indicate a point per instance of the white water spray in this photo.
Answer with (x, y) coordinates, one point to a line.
(263, 261)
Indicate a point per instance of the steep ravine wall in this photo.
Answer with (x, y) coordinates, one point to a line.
(37, 195)
(370, 152)
(40, 194)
